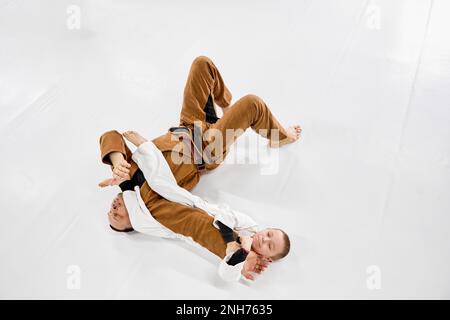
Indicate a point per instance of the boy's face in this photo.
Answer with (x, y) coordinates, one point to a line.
(268, 242)
(118, 214)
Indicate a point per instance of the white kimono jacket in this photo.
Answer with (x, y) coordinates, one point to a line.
(160, 178)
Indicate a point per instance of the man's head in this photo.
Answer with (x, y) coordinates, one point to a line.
(271, 243)
(118, 217)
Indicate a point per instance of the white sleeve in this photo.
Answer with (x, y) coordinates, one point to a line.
(228, 272)
(159, 176)
(233, 219)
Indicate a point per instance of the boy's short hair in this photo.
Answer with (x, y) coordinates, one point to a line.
(286, 248)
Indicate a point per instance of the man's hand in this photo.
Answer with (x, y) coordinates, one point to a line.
(232, 247)
(254, 263)
(121, 173)
(121, 170)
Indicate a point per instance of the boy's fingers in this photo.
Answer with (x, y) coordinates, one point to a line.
(265, 260)
(249, 276)
(262, 266)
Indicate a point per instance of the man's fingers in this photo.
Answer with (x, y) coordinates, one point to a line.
(119, 174)
(122, 168)
(120, 178)
(122, 175)
(125, 164)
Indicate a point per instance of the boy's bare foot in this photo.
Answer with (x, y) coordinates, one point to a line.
(293, 134)
(134, 137)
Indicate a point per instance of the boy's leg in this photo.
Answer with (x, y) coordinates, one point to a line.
(204, 80)
(112, 141)
(249, 111)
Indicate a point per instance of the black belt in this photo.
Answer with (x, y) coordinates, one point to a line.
(137, 179)
(185, 131)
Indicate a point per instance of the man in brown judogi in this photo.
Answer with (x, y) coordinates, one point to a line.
(204, 87)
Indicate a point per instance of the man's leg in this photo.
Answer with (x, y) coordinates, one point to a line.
(249, 111)
(204, 81)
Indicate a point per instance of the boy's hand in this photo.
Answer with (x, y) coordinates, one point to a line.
(254, 263)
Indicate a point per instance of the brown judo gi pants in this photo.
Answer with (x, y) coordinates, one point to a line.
(250, 111)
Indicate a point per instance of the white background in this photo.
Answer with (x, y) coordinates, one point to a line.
(368, 184)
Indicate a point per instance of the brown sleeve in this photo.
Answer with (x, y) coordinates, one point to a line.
(112, 141)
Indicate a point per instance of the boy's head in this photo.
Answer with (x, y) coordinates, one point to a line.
(271, 243)
(118, 217)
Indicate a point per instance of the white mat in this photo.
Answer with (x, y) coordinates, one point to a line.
(367, 186)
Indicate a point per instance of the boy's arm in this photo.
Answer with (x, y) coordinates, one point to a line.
(253, 264)
(236, 257)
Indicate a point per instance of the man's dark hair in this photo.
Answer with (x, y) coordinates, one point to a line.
(124, 230)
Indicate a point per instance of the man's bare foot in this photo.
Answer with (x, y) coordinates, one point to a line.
(134, 137)
(293, 134)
